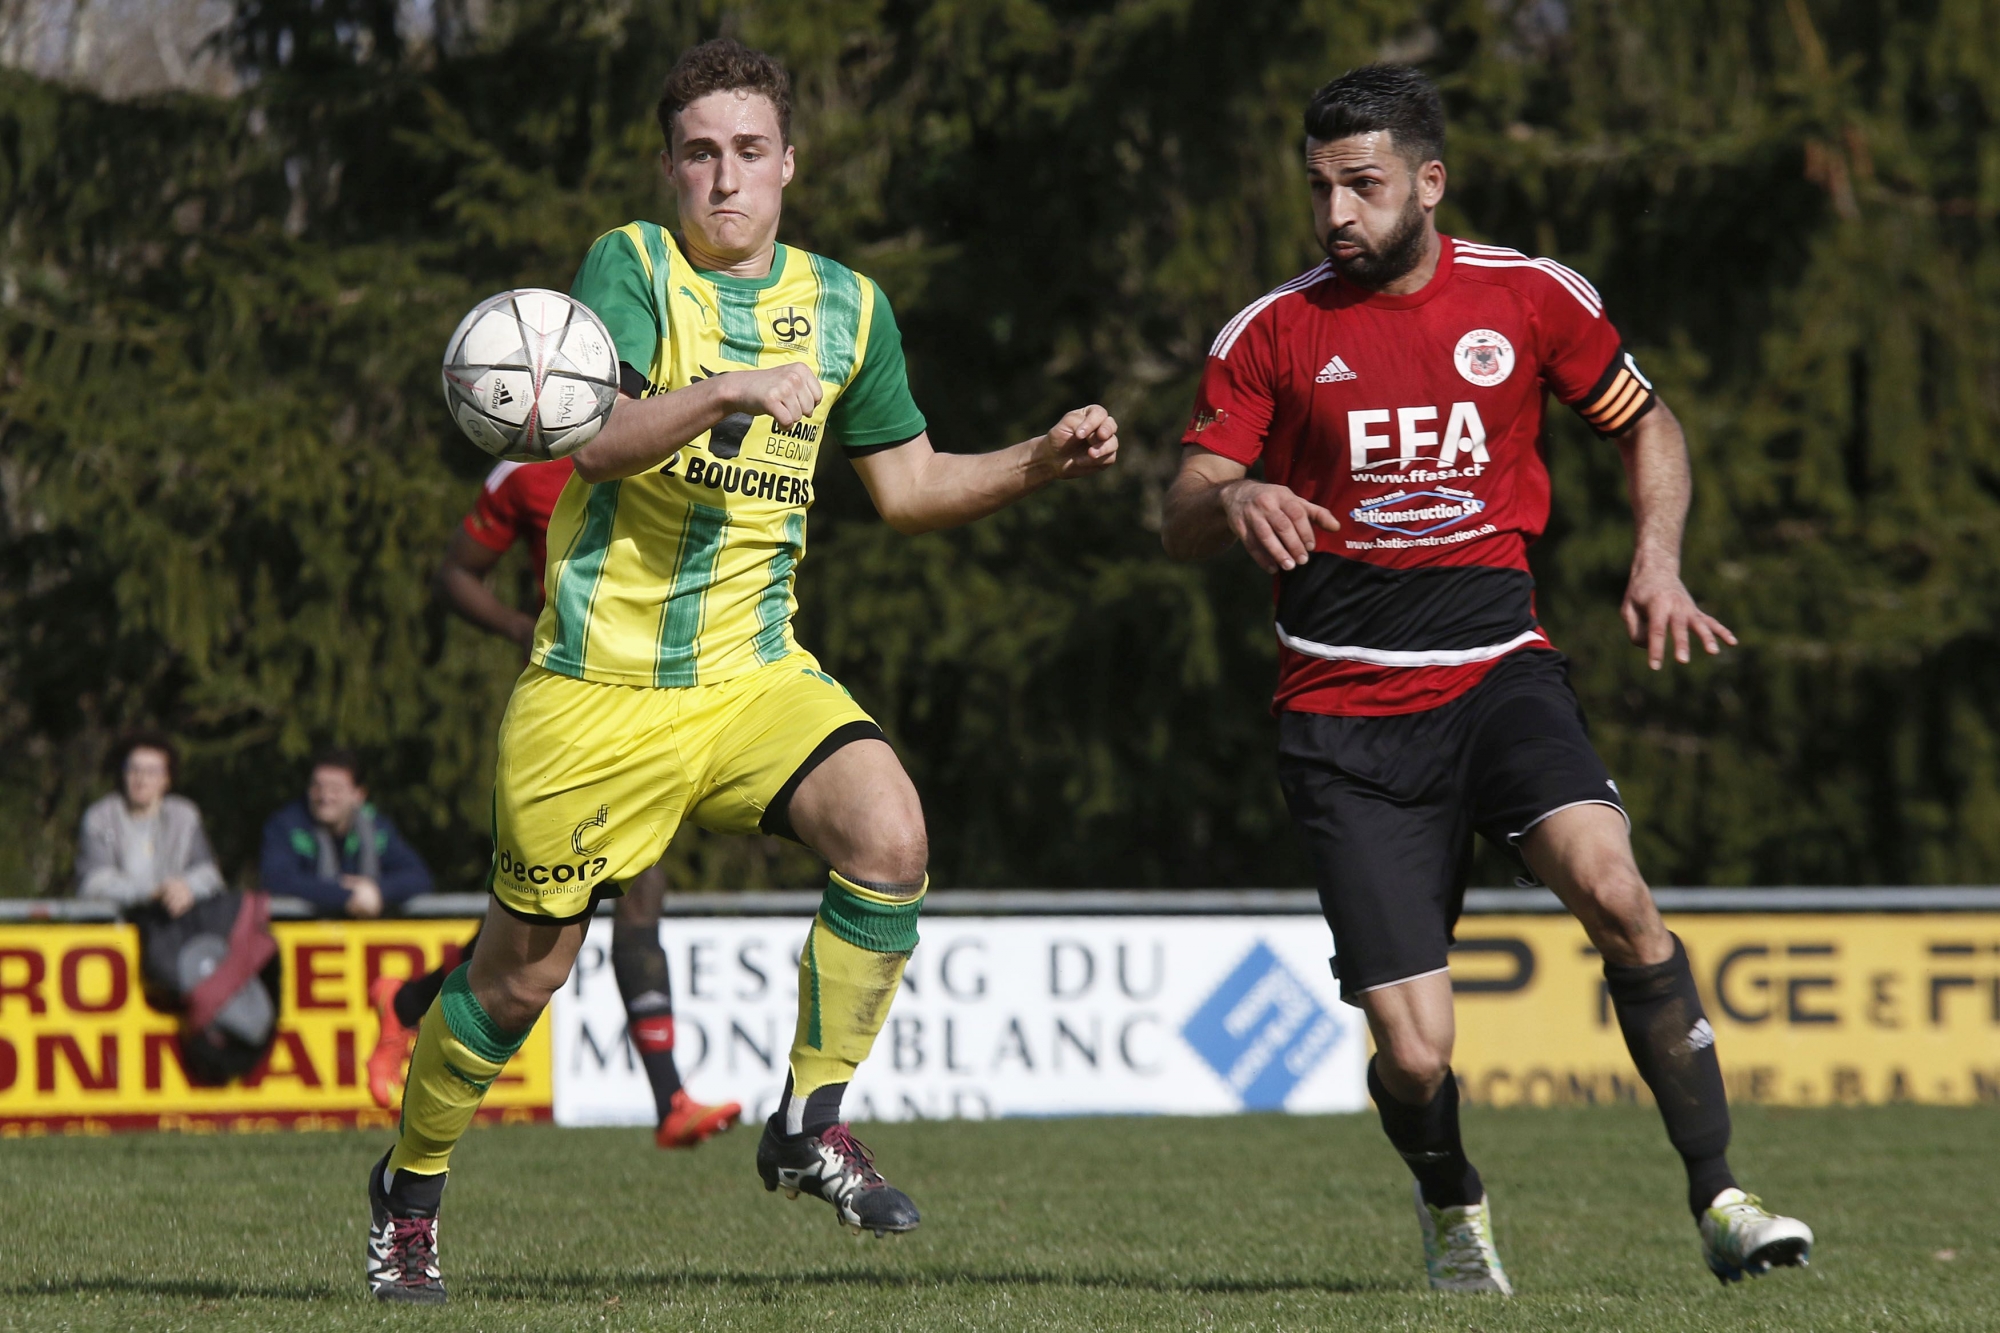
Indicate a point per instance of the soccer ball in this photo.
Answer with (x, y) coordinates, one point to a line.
(530, 375)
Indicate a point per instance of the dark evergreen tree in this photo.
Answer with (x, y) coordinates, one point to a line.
(227, 475)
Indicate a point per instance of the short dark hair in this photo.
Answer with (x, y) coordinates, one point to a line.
(146, 740)
(724, 65)
(336, 756)
(1396, 98)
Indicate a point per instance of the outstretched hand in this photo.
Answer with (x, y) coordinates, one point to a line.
(1083, 442)
(1659, 607)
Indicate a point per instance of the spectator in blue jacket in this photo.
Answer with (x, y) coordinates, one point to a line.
(335, 849)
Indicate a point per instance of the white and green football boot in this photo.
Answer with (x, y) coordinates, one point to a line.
(1458, 1247)
(1739, 1235)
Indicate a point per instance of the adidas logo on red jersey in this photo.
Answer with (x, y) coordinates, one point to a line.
(1333, 372)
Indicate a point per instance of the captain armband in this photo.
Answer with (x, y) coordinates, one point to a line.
(1620, 397)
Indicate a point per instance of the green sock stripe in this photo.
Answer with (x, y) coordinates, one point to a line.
(812, 1016)
(472, 1025)
(877, 927)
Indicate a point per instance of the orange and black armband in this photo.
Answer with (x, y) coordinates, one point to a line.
(1620, 397)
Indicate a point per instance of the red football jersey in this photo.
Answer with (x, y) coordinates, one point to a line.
(1417, 420)
(515, 504)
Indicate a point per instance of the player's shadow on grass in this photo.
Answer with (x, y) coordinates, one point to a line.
(518, 1286)
(556, 1286)
(187, 1288)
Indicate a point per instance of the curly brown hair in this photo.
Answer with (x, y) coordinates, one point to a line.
(724, 65)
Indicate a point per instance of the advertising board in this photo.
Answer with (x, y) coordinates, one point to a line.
(1808, 1010)
(1038, 1015)
(997, 1016)
(80, 1051)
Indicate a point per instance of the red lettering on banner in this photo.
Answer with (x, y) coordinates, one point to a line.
(10, 1064)
(343, 1058)
(298, 1064)
(373, 954)
(159, 1045)
(105, 1076)
(305, 991)
(72, 979)
(29, 987)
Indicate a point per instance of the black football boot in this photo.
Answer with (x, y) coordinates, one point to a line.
(402, 1238)
(835, 1166)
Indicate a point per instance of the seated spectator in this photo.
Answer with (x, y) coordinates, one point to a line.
(142, 844)
(335, 849)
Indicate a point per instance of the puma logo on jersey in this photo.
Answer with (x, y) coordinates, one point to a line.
(1333, 372)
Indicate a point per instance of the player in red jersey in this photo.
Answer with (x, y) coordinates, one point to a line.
(514, 506)
(1394, 395)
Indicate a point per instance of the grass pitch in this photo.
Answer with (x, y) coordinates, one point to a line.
(1257, 1222)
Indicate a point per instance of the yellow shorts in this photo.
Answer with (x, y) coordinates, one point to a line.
(595, 779)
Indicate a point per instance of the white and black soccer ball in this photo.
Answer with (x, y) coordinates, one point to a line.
(530, 375)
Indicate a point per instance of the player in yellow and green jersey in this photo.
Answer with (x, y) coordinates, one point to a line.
(665, 683)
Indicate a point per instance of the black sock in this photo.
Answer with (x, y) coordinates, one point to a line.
(412, 1195)
(1427, 1137)
(822, 1108)
(640, 965)
(1659, 1011)
(415, 996)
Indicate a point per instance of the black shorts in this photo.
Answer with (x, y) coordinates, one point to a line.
(1388, 806)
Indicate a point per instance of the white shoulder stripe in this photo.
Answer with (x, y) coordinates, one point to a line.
(1485, 256)
(498, 475)
(1233, 330)
(1586, 295)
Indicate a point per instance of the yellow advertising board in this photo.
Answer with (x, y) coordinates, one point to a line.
(80, 1051)
(1808, 1010)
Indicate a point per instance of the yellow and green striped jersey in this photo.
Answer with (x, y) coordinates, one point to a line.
(683, 575)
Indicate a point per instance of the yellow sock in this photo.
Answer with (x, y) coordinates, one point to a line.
(848, 975)
(460, 1051)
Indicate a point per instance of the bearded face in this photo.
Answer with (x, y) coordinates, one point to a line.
(1375, 263)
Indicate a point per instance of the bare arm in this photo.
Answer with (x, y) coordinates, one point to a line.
(461, 581)
(643, 433)
(1657, 604)
(916, 489)
(1213, 503)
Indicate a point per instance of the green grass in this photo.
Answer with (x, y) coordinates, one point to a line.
(1262, 1222)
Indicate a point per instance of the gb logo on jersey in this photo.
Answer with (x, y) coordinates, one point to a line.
(1484, 357)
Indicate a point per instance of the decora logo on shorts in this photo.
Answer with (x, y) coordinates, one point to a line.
(1484, 357)
(1415, 513)
(547, 881)
(1262, 1030)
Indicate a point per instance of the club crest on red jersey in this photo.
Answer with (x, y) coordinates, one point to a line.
(1484, 357)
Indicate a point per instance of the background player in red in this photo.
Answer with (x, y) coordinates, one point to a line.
(1394, 395)
(514, 506)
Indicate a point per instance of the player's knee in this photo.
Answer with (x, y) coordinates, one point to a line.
(1620, 915)
(515, 1000)
(910, 850)
(898, 852)
(1416, 1070)
(1417, 1064)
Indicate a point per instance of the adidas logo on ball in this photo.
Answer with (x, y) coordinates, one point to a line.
(530, 375)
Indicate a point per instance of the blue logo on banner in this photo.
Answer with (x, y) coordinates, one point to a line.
(1262, 1030)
